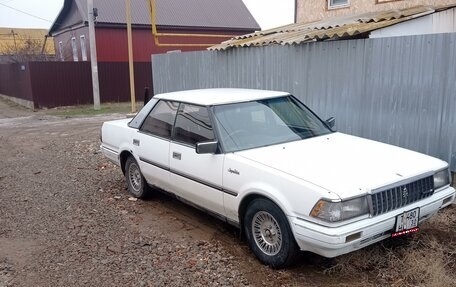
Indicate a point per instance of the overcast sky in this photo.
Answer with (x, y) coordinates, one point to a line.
(41, 13)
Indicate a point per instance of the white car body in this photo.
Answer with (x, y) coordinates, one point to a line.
(294, 175)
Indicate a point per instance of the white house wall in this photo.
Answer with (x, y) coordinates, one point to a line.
(445, 21)
(441, 22)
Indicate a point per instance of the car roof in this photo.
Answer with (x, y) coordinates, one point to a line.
(209, 97)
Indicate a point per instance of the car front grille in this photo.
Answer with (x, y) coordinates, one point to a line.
(402, 195)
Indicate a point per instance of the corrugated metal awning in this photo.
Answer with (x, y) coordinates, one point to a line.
(354, 26)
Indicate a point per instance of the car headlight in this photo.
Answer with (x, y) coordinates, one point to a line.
(441, 178)
(338, 211)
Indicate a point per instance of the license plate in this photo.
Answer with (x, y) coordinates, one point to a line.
(407, 223)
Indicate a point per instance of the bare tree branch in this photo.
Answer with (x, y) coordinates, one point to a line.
(25, 49)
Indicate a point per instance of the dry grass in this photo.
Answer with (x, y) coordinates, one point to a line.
(425, 259)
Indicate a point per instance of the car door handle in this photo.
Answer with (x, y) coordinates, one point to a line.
(177, 155)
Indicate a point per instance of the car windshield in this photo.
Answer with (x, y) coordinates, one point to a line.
(266, 122)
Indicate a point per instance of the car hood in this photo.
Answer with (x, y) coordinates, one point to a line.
(344, 164)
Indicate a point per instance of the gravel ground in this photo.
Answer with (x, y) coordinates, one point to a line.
(66, 220)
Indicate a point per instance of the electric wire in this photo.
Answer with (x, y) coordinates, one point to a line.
(26, 13)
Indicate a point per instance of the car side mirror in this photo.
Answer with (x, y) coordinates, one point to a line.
(207, 147)
(331, 122)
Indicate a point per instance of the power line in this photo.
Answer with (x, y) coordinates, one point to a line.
(26, 13)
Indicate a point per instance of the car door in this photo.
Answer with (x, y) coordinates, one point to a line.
(196, 177)
(152, 143)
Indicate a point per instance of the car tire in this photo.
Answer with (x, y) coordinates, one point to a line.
(268, 234)
(137, 185)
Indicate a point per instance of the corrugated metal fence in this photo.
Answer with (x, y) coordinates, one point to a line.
(53, 84)
(399, 90)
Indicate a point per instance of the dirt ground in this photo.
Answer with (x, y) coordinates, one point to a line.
(66, 220)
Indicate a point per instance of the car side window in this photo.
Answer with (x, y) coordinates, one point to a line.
(193, 125)
(160, 120)
(141, 116)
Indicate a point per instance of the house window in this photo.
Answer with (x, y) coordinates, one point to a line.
(83, 48)
(334, 4)
(61, 51)
(75, 49)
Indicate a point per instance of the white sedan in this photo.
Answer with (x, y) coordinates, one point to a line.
(263, 161)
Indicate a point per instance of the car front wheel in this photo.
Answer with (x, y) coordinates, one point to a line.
(137, 185)
(269, 234)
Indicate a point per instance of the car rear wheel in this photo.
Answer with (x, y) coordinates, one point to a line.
(137, 185)
(269, 234)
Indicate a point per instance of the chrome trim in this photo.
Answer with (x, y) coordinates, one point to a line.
(370, 205)
(436, 197)
(189, 177)
(109, 149)
(402, 182)
(401, 194)
(203, 182)
(214, 186)
(230, 192)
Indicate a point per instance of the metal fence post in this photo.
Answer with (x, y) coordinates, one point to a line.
(146, 95)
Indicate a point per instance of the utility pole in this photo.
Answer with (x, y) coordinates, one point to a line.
(93, 55)
(130, 56)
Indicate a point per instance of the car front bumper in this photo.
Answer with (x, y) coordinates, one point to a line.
(335, 241)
